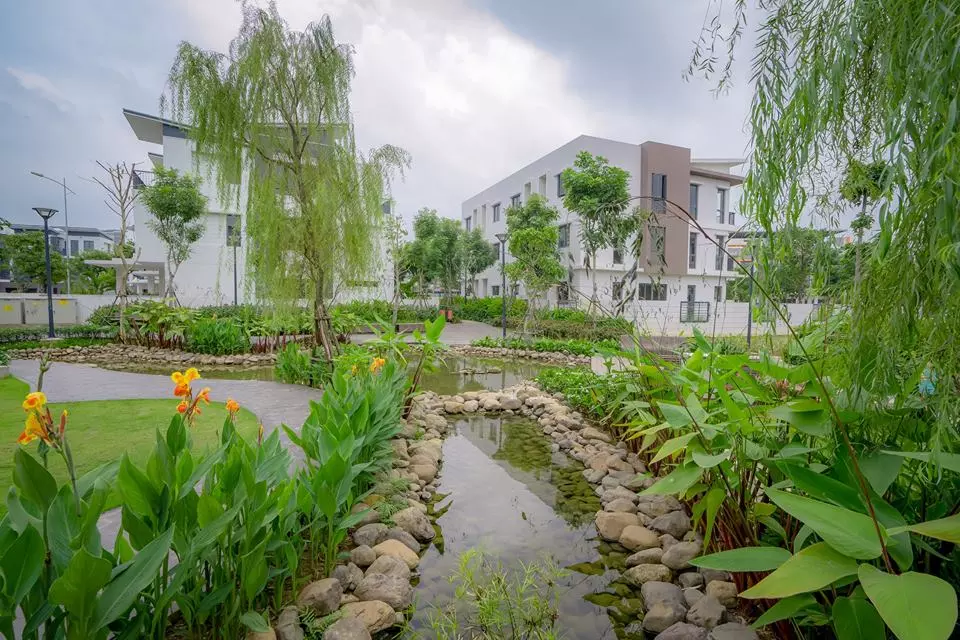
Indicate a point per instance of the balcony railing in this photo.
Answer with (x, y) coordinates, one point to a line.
(694, 311)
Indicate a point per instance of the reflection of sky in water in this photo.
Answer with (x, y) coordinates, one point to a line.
(508, 513)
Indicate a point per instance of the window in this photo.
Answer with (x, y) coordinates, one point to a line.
(515, 200)
(526, 192)
(564, 236)
(691, 292)
(731, 264)
(542, 185)
(730, 217)
(560, 190)
(495, 290)
(721, 243)
(717, 293)
(88, 245)
(658, 245)
(496, 212)
(618, 255)
(74, 247)
(693, 251)
(233, 231)
(466, 223)
(721, 205)
(651, 291)
(659, 192)
(694, 199)
(617, 290)
(482, 220)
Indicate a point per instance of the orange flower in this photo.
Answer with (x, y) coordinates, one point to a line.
(178, 378)
(34, 400)
(182, 390)
(376, 364)
(182, 407)
(232, 406)
(204, 395)
(32, 430)
(63, 422)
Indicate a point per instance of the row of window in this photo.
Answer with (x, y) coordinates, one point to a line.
(723, 216)
(718, 264)
(480, 215)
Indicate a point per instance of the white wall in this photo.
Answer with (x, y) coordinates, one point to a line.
(726, 319)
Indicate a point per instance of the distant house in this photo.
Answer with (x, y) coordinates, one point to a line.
(79, 240)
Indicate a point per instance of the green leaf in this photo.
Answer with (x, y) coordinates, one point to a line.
(950, 461)
(915, 606)
(676, 482)
(707, 461)
(786, 608)
(76, 590)
(712, 503)
(673, 445)
(943, 529)
(880, 470)
(120, 594)
(856, 619)
(254, 621)
(806, 416)
(35, 483)
(21, 564)
(848, 532)
(674, 414)
(744, 559)
(811, 569)
(136, 489)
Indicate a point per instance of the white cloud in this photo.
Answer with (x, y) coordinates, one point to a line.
(42, 86)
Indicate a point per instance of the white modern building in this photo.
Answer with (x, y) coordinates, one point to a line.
(682, 275)
(78, 239)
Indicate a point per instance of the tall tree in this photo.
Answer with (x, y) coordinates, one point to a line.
(28, 263)
(598, 193)
(476, 253)
(396, 248)
(277, 108)
(417, 251)
(533, 236)
(862, 184)
(177, 208)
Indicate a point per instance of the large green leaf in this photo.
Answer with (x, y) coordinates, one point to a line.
(915, 606)
(811, 569)
(76, 590)
(847, 531)
(880, 469)
(21, 564)
(949, 461)
(856, 619)
(806, 416)
(675, 415)
(673, 445)
(786, 608)
(34, 481)
(744, 559)
(136, 489)
(677, 481)
(125, 588)
(943, 529)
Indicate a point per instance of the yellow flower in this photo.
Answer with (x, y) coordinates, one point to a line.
(32, 430)
(232, 406)
(191, 374)
(177, 378)
(353, 369)
(376, 364)
(34, 400)
(204, 395)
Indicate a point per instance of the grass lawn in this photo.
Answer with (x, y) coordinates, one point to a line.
(103, 430)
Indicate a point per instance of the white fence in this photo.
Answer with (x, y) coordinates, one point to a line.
(722, 319)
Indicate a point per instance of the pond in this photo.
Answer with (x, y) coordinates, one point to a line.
(508, 495)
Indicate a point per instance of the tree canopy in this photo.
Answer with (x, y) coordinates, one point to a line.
(476, 253)
(277, 109)
(533, 235)
(28, 262)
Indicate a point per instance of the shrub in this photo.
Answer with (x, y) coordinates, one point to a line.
(487, 310)
(298, 366)
(24, 334)
(569, 329)
(549, 345)
(217, 337)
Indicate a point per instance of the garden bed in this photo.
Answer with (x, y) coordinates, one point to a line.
(136, 355)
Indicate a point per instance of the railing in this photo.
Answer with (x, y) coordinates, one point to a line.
(694, 311)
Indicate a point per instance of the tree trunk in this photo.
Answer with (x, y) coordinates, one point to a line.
(856, 263)
(321, 323)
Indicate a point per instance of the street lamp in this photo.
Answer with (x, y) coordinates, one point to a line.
(46, 214)
(502, 237)
(66, 220)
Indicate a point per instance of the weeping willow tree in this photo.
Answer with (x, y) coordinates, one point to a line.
(275, 110)
(838, 82)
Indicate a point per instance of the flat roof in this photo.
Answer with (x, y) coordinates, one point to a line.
(149, 128)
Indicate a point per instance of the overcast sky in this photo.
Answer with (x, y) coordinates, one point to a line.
(473, 89)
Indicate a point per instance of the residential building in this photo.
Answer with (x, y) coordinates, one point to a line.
(681, 270)
(79, 240)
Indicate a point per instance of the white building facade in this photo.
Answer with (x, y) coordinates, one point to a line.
(680, 271)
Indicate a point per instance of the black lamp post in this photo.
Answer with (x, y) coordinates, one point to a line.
(46, 214)
(502, 237)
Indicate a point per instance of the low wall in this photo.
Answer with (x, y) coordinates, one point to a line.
(724, 319)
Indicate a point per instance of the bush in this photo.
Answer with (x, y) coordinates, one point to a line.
(53, 344)
(549, 345)
(24, 334)
(487, 310)
(298, 366)
(574, 330)
(217, 337)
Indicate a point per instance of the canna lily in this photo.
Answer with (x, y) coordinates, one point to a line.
(204, 395)
(232, 406)
(260, 434)
(191, 374)
(182, 407)
(181, 390)
(34, 400)
(353, 370)
(33, 429)
(376, 364)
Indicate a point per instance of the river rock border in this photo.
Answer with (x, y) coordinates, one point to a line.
(565, 359)
(680, 602)
(136, 355)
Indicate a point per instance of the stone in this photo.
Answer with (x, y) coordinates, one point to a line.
(682, 631)
(691, 596)
(453, 407)
(470, 406)
(400, 535)
(363, 556)
(347, 629)
(594, 476)
(433, 421)
(666, 540)
(647, 556)
(510, 404)
(676, 523)
(679, 555)
(725, 592)
(426, 472)
(643, 573)
(619, 493)
(323, 596)
(611, 524)
(732, 631)
(690, 579)
(370, 515)
(592, 433)
(637, 538)
(349, 576)
(288, 624)
(348, 598)
(656, 505)
(393, 590)
(657, 592)
(709, 575)
(400, 448)
(370, 534)
(374, 614)
(621, 504)
(662, 616)
(389, 566)
(422, 458)
(398, 550)
(490, 404)
(414, 522)
(706, 612)
(269, 634)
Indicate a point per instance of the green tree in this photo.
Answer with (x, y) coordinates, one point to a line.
(476, 253)
(277, 108)
(28, 264)
(533, 236)
(862, 184)
(396, 248)
(177, 208)
(417, 251)
(88, 278)
(598, 193)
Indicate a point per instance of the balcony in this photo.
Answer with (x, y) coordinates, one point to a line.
(694, 311)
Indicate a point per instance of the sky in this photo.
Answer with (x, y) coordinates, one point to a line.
(472, 89)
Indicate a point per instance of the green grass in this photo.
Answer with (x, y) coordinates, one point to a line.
(100, 431)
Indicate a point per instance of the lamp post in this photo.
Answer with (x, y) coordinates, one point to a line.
(502, 237)
(66, 220)
(46, 214)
